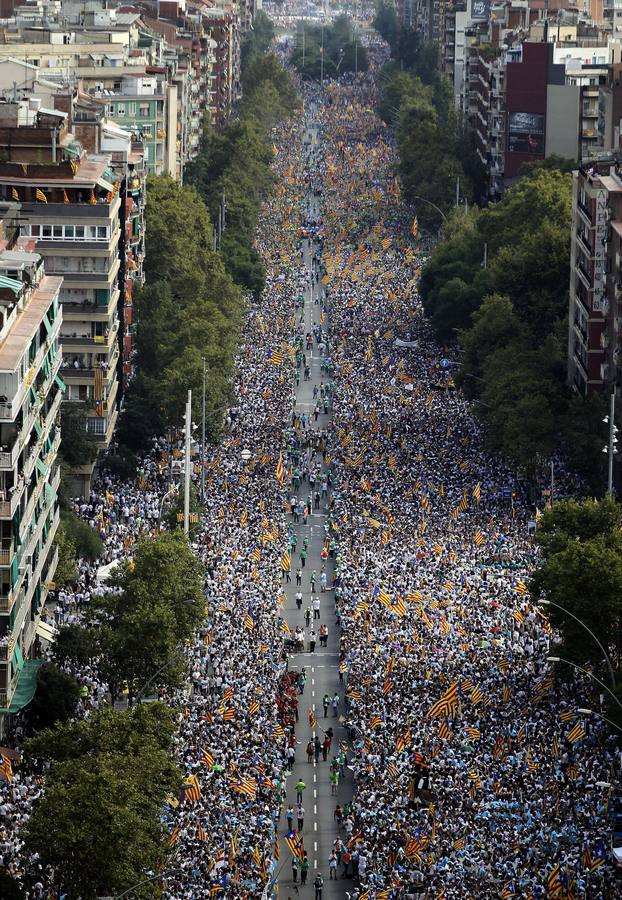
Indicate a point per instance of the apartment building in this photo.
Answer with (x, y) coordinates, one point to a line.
(69, 204)
(99, 135)
(30, 395)
(146, 106)
(595, 297)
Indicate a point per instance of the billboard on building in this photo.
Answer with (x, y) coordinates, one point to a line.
(525, 132)
(480, 10)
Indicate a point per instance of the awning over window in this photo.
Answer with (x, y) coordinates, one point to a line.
(47, 632)
(41, 466)
(26, 686)
(59, 381)
(47, 323)
(19, 659)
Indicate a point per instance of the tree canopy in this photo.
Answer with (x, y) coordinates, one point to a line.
(158, 602)
(435, 155)
(511, 315)
(190, 309)
(338, 43)
(98, 822)
(581, 571)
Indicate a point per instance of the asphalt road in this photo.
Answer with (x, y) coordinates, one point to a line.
(322, 668)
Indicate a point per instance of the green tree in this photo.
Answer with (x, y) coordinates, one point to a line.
(75, 645)
(126, 733)
(159, 603)
(495, 325)
(92, 827)
(67, 568)
(166, 568)
(581, 571)
(79, 447)
(56, 697)
(85, 540)
(258, 39)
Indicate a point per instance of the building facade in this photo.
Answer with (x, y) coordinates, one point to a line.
(595, 297)
(69, 204)
(30, 395)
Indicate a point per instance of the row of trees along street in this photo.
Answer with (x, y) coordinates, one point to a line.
(193, 303)
(497, 280)
(435, 154)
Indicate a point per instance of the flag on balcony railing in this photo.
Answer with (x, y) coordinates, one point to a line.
(40, 196)
(98, 389)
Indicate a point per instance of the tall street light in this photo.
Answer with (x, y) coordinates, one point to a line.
(556, 659)
(592, 712)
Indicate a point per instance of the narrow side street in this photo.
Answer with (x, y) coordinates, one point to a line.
(321, 667)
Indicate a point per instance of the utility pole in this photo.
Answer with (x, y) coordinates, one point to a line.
(203, 433)
(187, 466)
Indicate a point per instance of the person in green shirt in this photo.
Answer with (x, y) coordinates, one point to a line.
(304, 869)
(300, 786)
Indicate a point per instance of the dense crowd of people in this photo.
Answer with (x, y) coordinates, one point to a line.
(469, 778)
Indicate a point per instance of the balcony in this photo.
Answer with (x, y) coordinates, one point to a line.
(8, 507)
(585, 210)
(584, 244)
(89, 342)
(584, 275)
(8, 458)
(73, 212)
(6, 552)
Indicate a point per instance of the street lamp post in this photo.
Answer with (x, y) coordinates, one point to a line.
(429, 202)
(556, 659)
(171, 491)
(590, 632)
(592, 712)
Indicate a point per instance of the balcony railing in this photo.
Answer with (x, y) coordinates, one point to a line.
(6, 553)
(8, 507)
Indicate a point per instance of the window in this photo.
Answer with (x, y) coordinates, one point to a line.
(147, 130)
(131, 109)
(121, 109)
(79, 232)
(92, 232)
(57, 231)
(102, 232)
(70, 232)
(96, 425)
(144, 110)
(46, 231)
